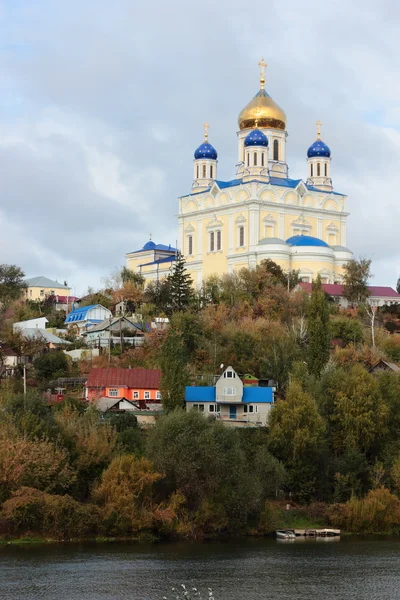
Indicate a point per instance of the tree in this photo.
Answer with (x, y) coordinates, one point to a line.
(318, 329)
(180, 285)
(11, 284)
(398, 286)
(296, 438)
(52, 365)
(175, 376)
(355, 280)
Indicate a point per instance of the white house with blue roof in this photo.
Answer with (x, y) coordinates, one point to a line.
(153, 261)
(263, 213)
(86, 316)
(232, 402)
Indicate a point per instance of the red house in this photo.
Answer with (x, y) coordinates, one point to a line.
(140, 385)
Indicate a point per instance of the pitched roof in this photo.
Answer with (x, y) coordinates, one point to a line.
(32, 333)
(132, 378)
(103, 404)
(335, 289)
(106, 324)
(44, 282)
(65, 299)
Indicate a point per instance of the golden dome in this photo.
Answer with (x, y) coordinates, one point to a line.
(263, 110)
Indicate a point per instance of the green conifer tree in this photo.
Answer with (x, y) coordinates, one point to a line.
(180, 285)
(318, 329)
(174, 372)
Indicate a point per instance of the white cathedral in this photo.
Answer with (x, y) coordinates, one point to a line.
(261, 213)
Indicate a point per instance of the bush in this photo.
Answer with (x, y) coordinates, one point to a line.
(378, 512)
(32, 511)
(391, 347)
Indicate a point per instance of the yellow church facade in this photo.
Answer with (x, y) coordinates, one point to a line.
(260, 214)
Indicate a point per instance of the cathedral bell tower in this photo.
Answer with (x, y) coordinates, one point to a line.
(319, 163)
(205, 164)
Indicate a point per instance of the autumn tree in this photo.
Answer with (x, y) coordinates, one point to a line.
(318, 329)
(355, 280)
(296, 438)
(12, 284)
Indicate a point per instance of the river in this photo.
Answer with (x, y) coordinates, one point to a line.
(361, 568)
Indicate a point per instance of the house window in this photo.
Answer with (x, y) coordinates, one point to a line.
(212, 241)
(326, 170)
(262, 159)
(219, 239)
(248, 159)
(158, 396)
(211, 171)
(214, 408)
(42, 292)
(229, 374)
(251, 408)
(255, 159)
(190, 245)
(318, 169)
(276, 150)
(312, 170)
(147, 395)
(230, 391)
(241, 236)
(204, 171)
(199, 407)
(197, 171)
(135, 395)
(113, 392)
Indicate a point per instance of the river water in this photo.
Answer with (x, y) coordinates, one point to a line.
(361, 568)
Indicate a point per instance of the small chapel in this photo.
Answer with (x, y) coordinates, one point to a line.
(225, 225)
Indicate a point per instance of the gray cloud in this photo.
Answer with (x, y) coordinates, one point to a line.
(102, 106)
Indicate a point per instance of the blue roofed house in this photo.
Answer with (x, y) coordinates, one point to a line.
(232, 402)
(153, 261)
(87, 316)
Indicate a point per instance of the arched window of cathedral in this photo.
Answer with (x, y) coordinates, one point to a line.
(204, 171)
(211, 241)
(326, 170)
(241, 236)
(219, 239)
(276, 150)
(255, 159)
(262, 159)
(211, 171)
(248, 159)
(312, 170)
(318, 169)
(197, 171)
(190, 245)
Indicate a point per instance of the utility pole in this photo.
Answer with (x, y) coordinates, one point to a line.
(24, 370)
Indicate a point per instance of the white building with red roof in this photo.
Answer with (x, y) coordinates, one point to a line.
(379, 295)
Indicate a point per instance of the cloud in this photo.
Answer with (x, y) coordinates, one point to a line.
(102, 106)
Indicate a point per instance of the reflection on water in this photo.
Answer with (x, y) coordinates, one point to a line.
(365, 569)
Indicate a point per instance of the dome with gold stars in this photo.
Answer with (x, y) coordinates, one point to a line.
(262, 109)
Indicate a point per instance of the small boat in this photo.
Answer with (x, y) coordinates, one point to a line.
(285, 534)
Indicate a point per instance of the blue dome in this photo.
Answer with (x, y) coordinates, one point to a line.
(206, 151)
(318, 148)
(256, 138)
(306, 240)
(149, 246)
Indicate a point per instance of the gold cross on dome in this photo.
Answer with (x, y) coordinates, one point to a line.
(262, 64)
(206, 127)
(318, 124)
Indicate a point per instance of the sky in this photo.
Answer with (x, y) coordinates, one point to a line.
(103, 103)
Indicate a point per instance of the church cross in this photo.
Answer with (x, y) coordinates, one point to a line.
(318, 124)
(150, 235)
(206, 127)
(262, 64)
